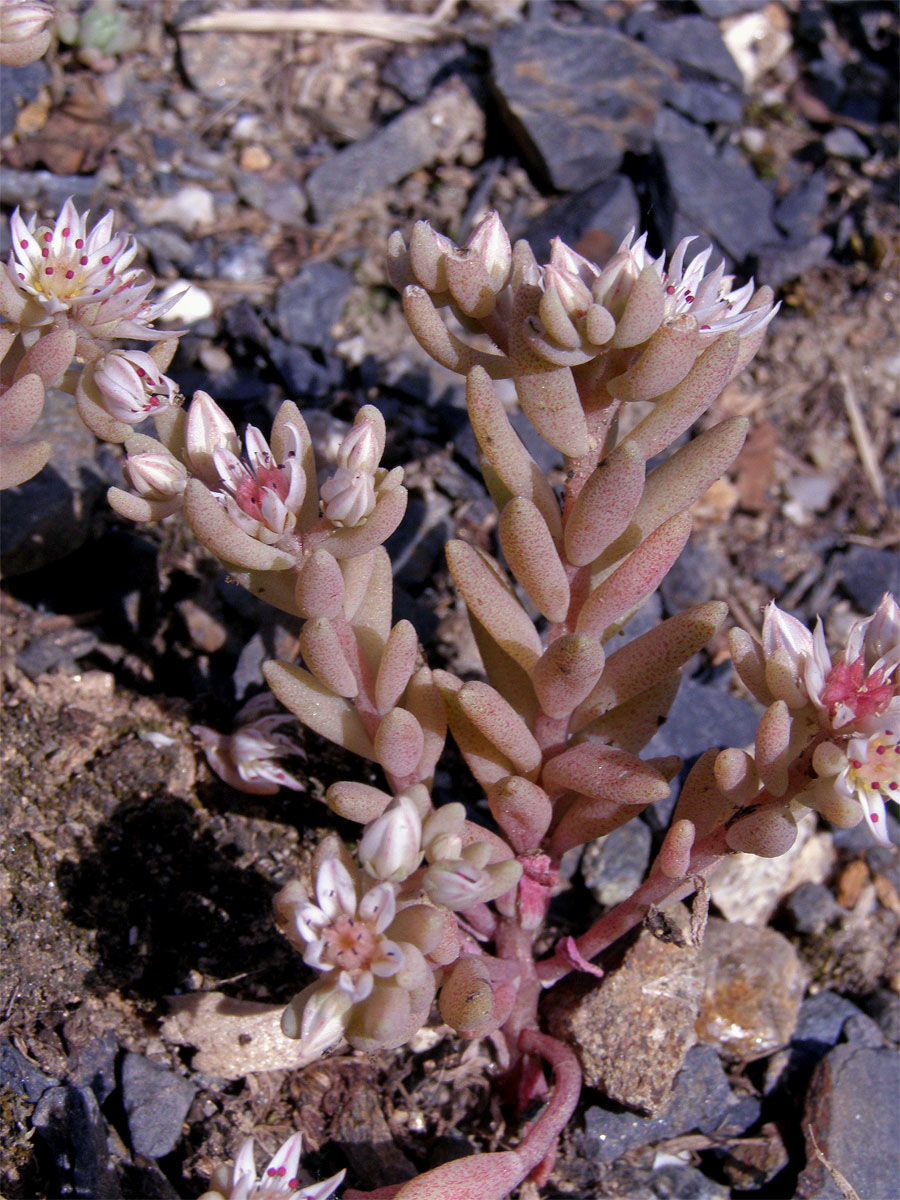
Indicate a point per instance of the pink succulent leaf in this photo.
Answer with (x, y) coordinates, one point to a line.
(568, 947)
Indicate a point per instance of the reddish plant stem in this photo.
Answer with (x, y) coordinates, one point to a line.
(539, 1143)
(656, 890)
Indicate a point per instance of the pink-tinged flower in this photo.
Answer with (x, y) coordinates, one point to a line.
(280, 1180)
(262, 496)
(68, 269)
(391, 846)
(360, 451)
(348, 497)
(132, 387)
(247, 759)
(155, 474)
(22, 36)
(344, 934)
(490, 243)
(857, 778)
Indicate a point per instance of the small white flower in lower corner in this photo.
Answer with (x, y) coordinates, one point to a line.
(247, 759)
(279, 1181)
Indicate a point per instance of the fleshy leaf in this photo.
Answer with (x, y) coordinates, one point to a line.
(326, 714)
(605, 505)
(532, 557)
(493, 603)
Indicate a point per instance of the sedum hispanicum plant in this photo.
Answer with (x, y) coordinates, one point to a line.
(428, 905)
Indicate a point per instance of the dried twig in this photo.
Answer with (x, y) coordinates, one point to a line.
(843, 1184)
(390, 27)
(861, 436)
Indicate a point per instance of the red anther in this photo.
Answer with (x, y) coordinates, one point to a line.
(880, 749)
(48, 270)
(24, 243)
(141, 372)
(70, 274)
(855, 764)
(105, 259)
(21, 276)
(48, 237)
(704, 327)
(670, 290)
(66, 231)
(79, 242)
(45, 253)
(83, 261)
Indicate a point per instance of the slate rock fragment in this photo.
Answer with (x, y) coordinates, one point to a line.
(156, 1101)
(22, 1075)
(576, 99)
(308, 305)
(72, 1140)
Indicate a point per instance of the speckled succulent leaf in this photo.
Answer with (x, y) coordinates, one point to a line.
(428, 252)
(749, 664)
(631, 725)
(316, 706)
(399, 743)
(171, 429)
(21, 463)
(399, 267)
(701, 801)
(319, 586)
(469, 284)
(604, 773)
(484, 760)
(650, 658)
(674, 857)
(489, 1177)
(677, 411)
(12, 301)
(374, 531)
(501, 725)
(101, 424)
(423, 700)
(358, 573)
(324, 655)
(532, 557)
(504, 450)
(275, 587)
(493, 602)
(782, 679)
(767, 832)
(20, 407)
(664, 362)
(357, 801)
(586, 818)
(371, 619)
(478, 993)
(444, 346)
(736, 775)
(49, 357)
(566, 673)
(684, 477)
(605, 505)
(523, 811)
(215, 529)
(640, 574)
(396, 667)
(772, 746)
(550, 400)
(509, 677)
(644, 310)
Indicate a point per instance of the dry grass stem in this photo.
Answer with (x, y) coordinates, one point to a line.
(390, 27)
(861, 436)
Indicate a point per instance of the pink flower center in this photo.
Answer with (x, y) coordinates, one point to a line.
(848, 686)
(351, 943)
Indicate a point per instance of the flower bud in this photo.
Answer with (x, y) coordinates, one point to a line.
(19, 22)
(131, 385)
(391, 847)
(490, 242)
(155, 475)
(208, 429)
(456, 883)
(359, 450)
(349, 496)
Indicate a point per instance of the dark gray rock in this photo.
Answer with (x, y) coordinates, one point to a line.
(883, 1006)
(243, 261)
(728, 8)
(781, 263)
(867, 574)
(852, 1109)
(308, 305)
(30, 187)
(59, 648)
(156, 1101)
(811, 908)
(71, 1136)
(690, 42)
(576, 99)
(167, 248)
(49, 516)
(797, 213)
(302, 373)
(20, 86)
(415, 72)
(693, 578)
(614, 866)
(701, 717)
(701, 1099)
(684, 1182)
(21, 1074)
(609, 207)
(427, 133)
(282, 200)
(707, 102)
(844, 143)
(94, 1066)
(701, 190)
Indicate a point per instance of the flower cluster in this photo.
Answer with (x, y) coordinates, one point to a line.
(279, 1181)
(247, 759)
(833, 722)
